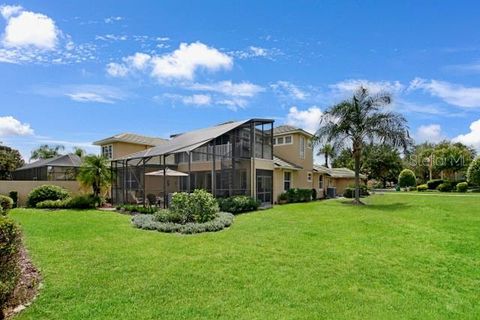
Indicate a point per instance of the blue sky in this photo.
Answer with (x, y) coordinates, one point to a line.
(73, 72)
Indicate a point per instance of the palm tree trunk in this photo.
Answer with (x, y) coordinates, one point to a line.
(357, 177)
(326, 160)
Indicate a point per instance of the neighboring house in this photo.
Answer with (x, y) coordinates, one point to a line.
(233, 158)
(124, 144)
(60, 168)
(295, 167)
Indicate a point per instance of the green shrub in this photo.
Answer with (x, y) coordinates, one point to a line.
(412, 189)
(433, 184)
(134, 208)
(238, 204)
(46, 192)
(462, 187)
(407, 179)
(473, 172)
(14, 196)
(445, 187)
(299, 195)
(314, 194)
(283, 197)
(350, 191)
(198, 206)
(83, 202)
(9, 255)
(149, 222)
(6, 203)
(422, 188)
(53, 204)
(166, 215)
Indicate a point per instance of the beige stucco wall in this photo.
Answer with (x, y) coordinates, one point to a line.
(291, 152)
(120, 149)
(24, 187)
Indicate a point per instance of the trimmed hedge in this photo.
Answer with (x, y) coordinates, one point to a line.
(46, 192)
(78, 202)
(221, 221)
(10, 241)
(238, 204)
(134, 208)
(445, 187)
(462, 187)
(422, 188)
(433, 184)
(198, 206)
(6, 203)
(407, 178)
(299, 195)
(473, 172)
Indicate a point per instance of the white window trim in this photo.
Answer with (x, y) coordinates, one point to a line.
(108, 146)
(291, 180)
(275, 140)
(302, 149)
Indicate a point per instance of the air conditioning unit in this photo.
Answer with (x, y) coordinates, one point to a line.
(331, 192)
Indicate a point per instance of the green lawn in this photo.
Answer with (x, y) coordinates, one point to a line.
(402, 256)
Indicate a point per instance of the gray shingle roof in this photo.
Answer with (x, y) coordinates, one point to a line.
(283, 129)
(284, 164)
(132, 138)
(337, 172)
(187, 141)
(66, 160)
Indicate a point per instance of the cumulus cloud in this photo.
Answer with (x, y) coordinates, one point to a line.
(308, 120)
(26, 28)
(471, 138)
(429, 133)
(196, 99)
(350, 85)
(242, 89)
(455, 94)
(287, 90)
(116, 69)
(181, 64)
(9, 126)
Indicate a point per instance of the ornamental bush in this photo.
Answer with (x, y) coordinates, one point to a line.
(462, 187)
(473, 173)
(407, 179)
(6, 203)
(422, 188)
(299, 195)
(433, 184)
(238, 204)
(77, 202)
(445, 187)
(198, 206)
(46, 192)
(9, 256)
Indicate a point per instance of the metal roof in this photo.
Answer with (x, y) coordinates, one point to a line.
(284, 164)
(337, 172)
(132, 138)
(66, 160)
(284, 129)
(189, 141)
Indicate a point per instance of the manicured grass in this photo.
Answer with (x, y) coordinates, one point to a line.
(402, 256)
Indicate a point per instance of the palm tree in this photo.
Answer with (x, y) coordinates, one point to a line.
(360, 120)
(46, 152)
(328, 150)
(95, 173)
(80, 152)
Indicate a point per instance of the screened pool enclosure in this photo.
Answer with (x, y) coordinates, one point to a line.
(234, 158)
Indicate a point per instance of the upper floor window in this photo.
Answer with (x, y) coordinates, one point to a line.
(107, 151)
(302, 147)
(282, 140)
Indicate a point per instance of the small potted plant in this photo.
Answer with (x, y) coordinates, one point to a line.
(282, 198)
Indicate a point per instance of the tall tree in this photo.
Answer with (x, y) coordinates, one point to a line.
(451, 158)
(360, 120)
(79, 151)
(344, 159)
(10, 159)
(382, 162)
(328, 151)
(46, 152)
(95, 173)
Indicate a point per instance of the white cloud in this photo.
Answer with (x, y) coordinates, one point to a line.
(242, 89)
(117, 70)
(349, 86)
(429, 133)
(84, 93)
(309, 119)
(187, 59)
(472, 138)
(113, 19)
(255, 52)
(111, 37)
(9, 126)
(26, 28)
(288, 90)
(458, 95)
(7, 11)
(181, 64)
(197, 99)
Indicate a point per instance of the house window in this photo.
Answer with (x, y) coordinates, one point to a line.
(302, 147)
(309, 177)
(283, 140)
(320, 182)
(309, 144)
(280, 140)
(288, 139)
(287, 180)
(107, 151)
